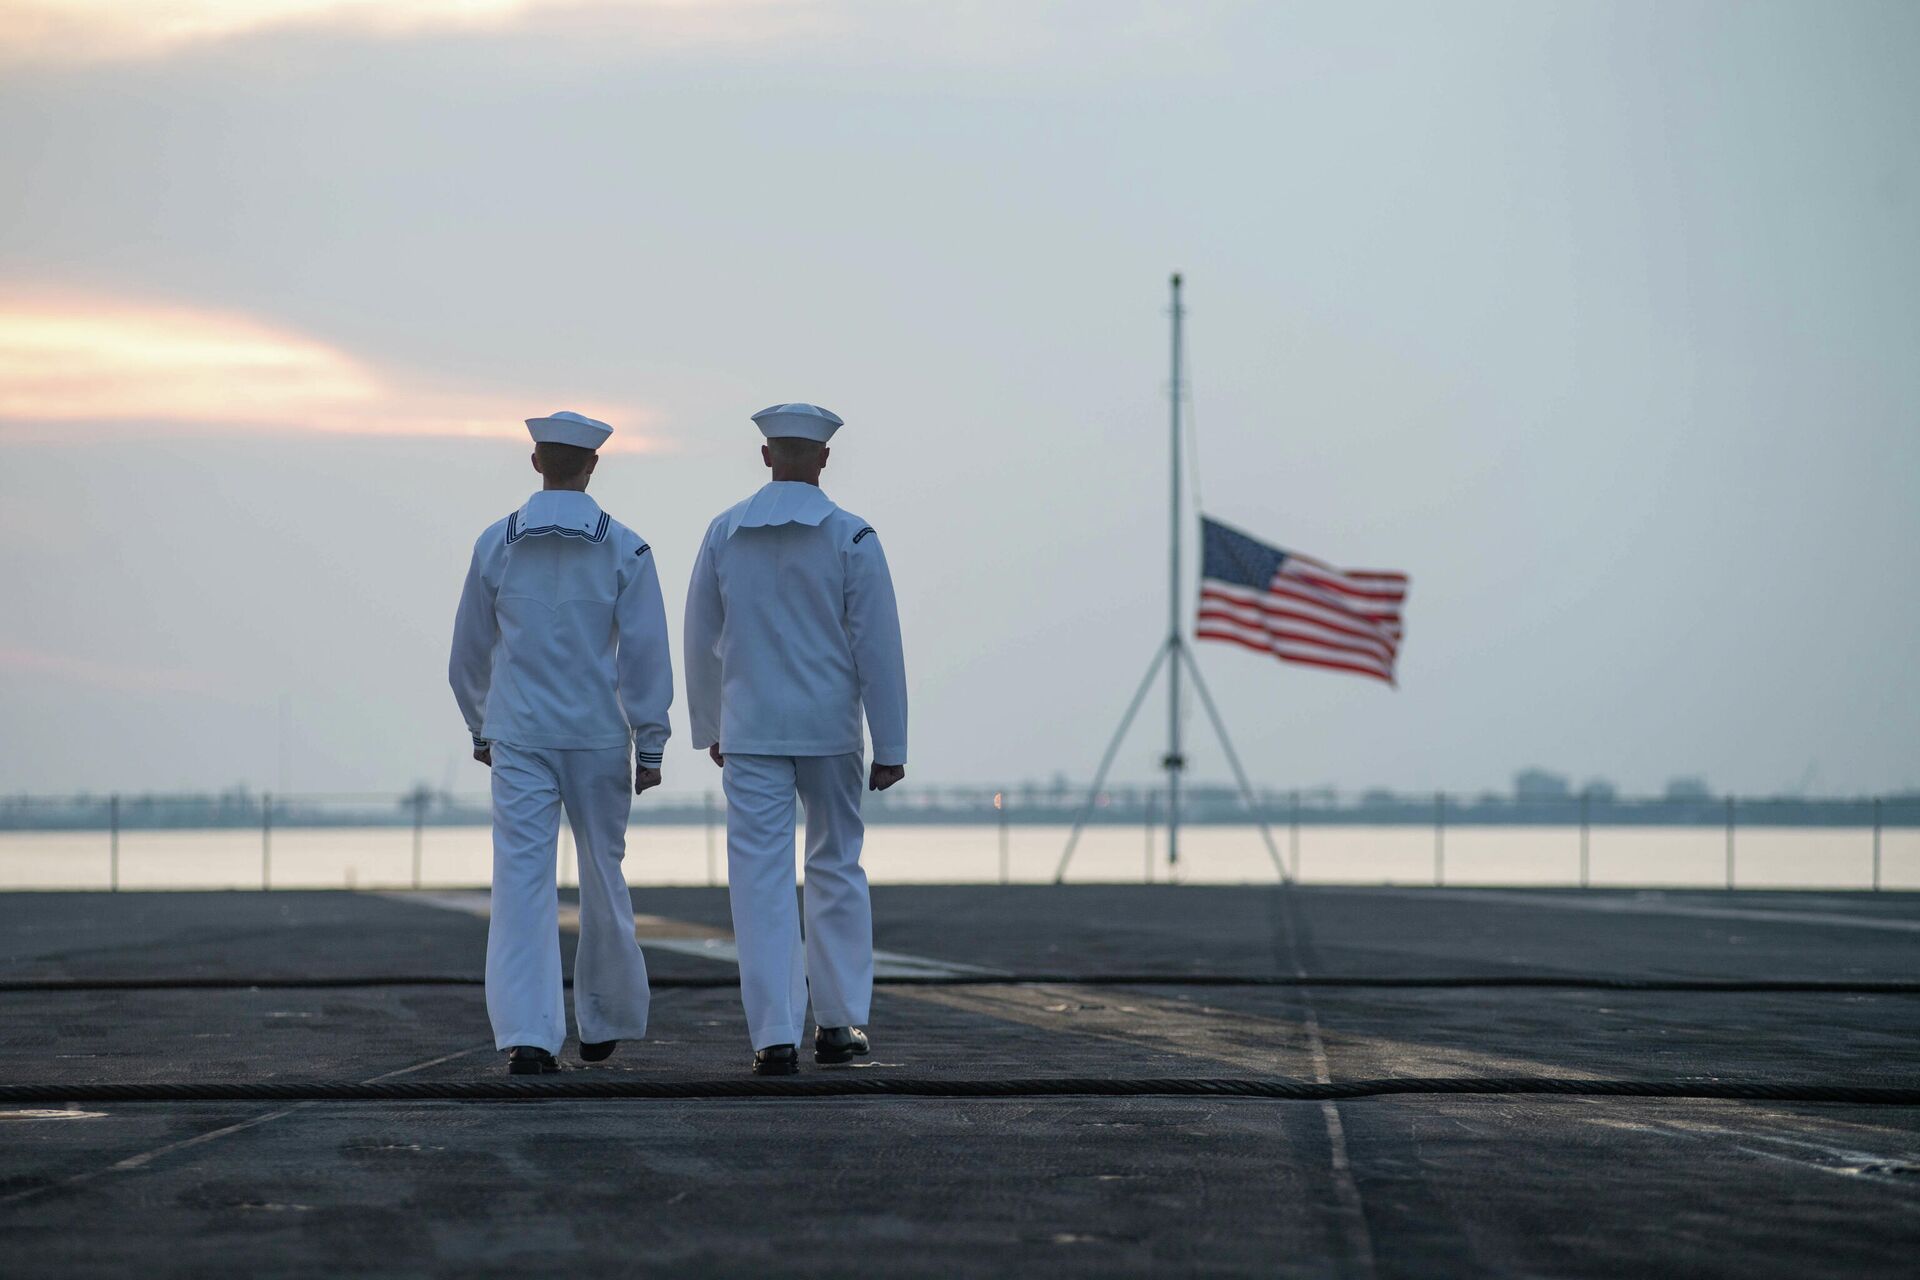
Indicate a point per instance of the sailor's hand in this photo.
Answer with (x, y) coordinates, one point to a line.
(484, 755)
(643, 778)
(882, 776)
(718, 759)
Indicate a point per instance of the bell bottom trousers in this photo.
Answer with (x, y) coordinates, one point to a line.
(835, 957)
(525, 999)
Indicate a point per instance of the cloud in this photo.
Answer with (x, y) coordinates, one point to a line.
(29, 664)
(64, 31)
(186, 371)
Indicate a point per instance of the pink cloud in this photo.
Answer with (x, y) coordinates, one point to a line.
(106, 675)
(190, 371)
(70, 31)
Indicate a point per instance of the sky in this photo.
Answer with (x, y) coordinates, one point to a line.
(1598, 320)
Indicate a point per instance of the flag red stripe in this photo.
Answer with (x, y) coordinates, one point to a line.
(1344, 627)
(1335, 584)
(1352, 577)
(1368, 645)
(1383, 575)
(1385, 677)
(1283, 638)
(1375, 672)
(1295, 640)
(1386, 626)
(1301, 589)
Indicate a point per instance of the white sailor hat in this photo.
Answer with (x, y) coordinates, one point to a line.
(567, 427)
(807, 421)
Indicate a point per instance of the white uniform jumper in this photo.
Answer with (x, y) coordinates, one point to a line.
(560, 664)
(791, 629)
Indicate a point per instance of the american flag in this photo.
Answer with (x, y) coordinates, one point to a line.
(1297, 608)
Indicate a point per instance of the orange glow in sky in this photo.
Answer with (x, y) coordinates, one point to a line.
(179, 370)
(91, 30)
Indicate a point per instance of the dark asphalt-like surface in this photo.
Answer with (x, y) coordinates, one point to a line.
(1396, 1186)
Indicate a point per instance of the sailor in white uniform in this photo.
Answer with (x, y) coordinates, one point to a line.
(560, 666)
(791, 630)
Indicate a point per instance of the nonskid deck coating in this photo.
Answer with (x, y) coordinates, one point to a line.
(943, 1186)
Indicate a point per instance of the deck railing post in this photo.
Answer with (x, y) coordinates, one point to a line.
(713, 874)
(1439, 839)
(1729, 844)
(1876, 844)
(1000, 816)
(266, 841)
(1293, 833)
(1586, 799)
(419, 832)
(1153, 805)
(113, 843)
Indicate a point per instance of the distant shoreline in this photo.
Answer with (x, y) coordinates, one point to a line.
(962, 807)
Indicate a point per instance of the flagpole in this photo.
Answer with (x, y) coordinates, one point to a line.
(1176, 655)
(1174, 762)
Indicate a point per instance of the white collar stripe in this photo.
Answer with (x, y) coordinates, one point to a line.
(515, 531)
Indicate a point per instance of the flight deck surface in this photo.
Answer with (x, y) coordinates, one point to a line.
(1052, 1090)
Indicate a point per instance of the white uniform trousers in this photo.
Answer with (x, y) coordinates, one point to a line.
(525, 999)
(836, 958)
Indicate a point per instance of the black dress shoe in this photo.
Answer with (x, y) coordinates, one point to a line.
(526, 1060)
(838, 1044)
(599, 1052)
(776, 1060)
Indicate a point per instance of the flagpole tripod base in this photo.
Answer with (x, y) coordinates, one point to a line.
(1106, 759)
(1181, 653)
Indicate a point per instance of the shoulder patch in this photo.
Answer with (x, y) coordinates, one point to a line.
(863, 533)
(644, 548)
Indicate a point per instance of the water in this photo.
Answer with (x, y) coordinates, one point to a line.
(383, 857)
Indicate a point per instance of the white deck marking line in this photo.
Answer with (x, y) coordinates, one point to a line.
(144, 1158)
(680, 936)
(135, 1162)
(473, 902)
(430, 1062)
(1656, 907)
(1862, 1166)
(886, 964)
(1346, 1188)
(1841, 1161)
